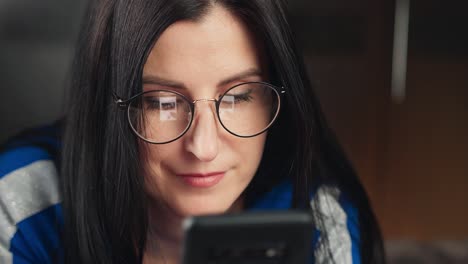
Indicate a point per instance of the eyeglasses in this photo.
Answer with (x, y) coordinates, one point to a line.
(162, 116)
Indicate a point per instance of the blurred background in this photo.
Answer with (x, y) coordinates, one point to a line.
(37, 40)
(392, 76)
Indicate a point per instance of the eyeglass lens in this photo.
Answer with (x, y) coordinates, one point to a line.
(244, 110)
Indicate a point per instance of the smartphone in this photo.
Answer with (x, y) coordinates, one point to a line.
(254, 237)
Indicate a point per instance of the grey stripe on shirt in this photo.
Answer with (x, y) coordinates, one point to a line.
(25, 192)
(335, 224)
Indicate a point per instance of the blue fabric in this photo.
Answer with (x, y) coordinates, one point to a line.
(279, 197)
(44, 140)
(353, 228)
(28, 147)
(21, 157)
(38, 238)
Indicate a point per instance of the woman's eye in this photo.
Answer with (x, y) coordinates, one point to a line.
(238, 97)
(152, 103)
(162, 102)
(168, 105)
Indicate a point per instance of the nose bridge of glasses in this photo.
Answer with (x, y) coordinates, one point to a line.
(212, 107)
(205, 100)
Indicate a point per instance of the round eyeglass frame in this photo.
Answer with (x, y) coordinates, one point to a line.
(125, 105)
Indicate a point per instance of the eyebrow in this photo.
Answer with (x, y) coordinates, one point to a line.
(152, 79)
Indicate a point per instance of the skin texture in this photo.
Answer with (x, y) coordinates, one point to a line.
(194, 58)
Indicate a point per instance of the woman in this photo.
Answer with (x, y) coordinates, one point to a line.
(183, 108)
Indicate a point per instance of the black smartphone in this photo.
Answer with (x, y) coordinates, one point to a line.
(246, 238)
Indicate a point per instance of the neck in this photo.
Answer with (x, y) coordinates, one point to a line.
(165, 235)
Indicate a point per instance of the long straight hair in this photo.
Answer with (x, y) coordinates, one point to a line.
(104, 203)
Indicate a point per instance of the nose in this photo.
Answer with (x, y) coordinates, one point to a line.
(202, 141)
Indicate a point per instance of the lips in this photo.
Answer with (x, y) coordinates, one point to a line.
(202, 180)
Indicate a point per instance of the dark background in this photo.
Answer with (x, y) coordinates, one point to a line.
(411, 154)
(37, 40)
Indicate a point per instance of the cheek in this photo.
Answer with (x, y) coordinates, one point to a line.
(250, 151)
(152, 158)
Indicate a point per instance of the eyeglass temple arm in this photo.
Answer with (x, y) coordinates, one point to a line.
(118, 101)
(282, 90)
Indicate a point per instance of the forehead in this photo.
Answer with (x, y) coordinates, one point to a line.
(203, 52)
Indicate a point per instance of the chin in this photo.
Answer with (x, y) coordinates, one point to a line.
(202, 211)
(201, 208)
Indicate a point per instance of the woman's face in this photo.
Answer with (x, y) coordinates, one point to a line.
(207, 169)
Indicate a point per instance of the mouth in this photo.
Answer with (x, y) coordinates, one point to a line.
(202, 180)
